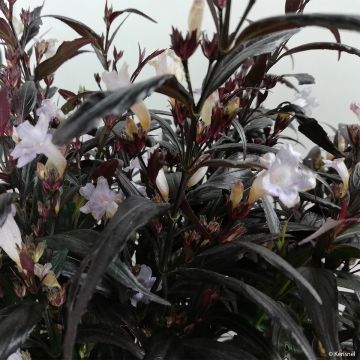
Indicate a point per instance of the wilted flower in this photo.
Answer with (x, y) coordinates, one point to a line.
(168, 63)
(101, 199)
(196, 16)
(146, 279)
(283, 178)
(355, 108)
(307, 102)
(115, 80)
(36, 140)
(341, 169)
(10, 236)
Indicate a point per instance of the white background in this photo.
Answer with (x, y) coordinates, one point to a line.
(337, 83)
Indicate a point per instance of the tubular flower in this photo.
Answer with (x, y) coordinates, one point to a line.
(102, 201)
(115, 80)
(36, 140)
(283, 177)
(196, 16)
(146, 279)
(168, 63)
(10, 237)
(162, 184)
(341, 169)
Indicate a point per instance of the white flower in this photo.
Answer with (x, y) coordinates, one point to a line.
(115, 80)
(306, 101)
(341, 169)
(207, 109)
(102, 201)
(355, 108)
(51, 48)
(196, 16)
(283, 178)
(168, 63)
(36, 140)
(146, 279)
(10, 237)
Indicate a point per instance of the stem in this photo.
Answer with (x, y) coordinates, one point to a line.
(187, 76)
(246, 13)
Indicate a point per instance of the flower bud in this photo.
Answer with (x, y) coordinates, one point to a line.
(236, 195)
(196, 16)
(221, 4)
(197, 176)
(162, 184)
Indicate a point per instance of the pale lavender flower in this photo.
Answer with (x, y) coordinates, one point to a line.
(168, 63)
(49, 110)
(307, 102)
(10, 237)
(355, 108)
(284, 177)
(16, 355)
(102, 201)
(36, 140)
(339, 166)
(145, 278)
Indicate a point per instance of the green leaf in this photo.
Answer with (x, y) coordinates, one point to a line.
(82, 29)
(100, 104)
(16, 324)
(133, 213)
(324, 316)
(273, 310)
(66, 51)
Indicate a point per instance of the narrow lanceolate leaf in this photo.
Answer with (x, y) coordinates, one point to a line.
(27, 97)
(271, 216)
(296, 21)
(5, 124)
(354, 190)
(33, 26)
(174, 89)
(100, 104)
(12, 334)
(66, 51)
(272, 309)
(81, 29)
(321, 46)
(285, 267)
(6, 34)
(231, 62)
(132, 214)
(323, 316)
(5, 207)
